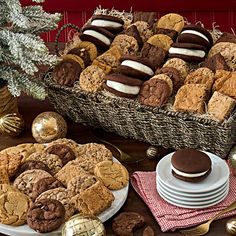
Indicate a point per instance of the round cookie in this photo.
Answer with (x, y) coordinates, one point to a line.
(7, 188)
(179, 65)
(188, 51)
(144, 30)
(195, 34)
(63, 151)
(111, 23)
(31, 165)
(127, 45)
(63, 196)
(90, 48)
(122, 86)
(25, 181)
(155, 92)
(46, 215)
(133, 31)
(137, 67)
(171, 21)
(99, 36)
(113, 175)
(13, 208)
(45, 184)
(51, 160)
(190, 165)
(165, 78)
(92, 78)
(174, 75)
(169, 32)
(82, 53)
(126, 222)
(161, 40)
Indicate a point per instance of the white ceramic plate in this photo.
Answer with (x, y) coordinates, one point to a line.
(218, 176)
(192, 195)
(192, 206)
(25, 230)
(190, 200)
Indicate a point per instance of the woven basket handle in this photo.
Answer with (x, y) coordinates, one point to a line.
(69, 25)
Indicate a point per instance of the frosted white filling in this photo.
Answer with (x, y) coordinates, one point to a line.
(98, 35)
(138, 66)
(187, 52)
(106, 23)
(195, 33)
(180, 173)
(124, 88)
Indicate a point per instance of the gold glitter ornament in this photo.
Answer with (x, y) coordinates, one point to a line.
(231, 226)
(83, 225)
(232, 159)
(11, 124)
(152, 152)
(48, 126)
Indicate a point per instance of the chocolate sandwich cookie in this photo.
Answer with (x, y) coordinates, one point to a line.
(188, 52)
(101, 37)
(46, 215)
(195, 34)
(137, 67)
(190, 165)
(111, 23)
(122, 86)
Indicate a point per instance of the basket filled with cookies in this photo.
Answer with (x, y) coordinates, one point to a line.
(163, 81)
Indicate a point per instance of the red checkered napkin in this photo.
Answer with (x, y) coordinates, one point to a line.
(171, 217)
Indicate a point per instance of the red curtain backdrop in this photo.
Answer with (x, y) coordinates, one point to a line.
(223, 13)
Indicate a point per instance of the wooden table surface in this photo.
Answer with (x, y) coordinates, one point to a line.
(30, 108)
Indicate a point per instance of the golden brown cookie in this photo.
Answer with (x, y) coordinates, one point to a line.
(112, 174)
(220, 77)
(13, 208)
(7, 188)
(75, 58)
(53, 161)
(92, 79)
(69, 142)
(4, 178)
(161, 41)
(229, 86)
(25, 181)
(11, 162)
(171, 21)
(94, 200)
(179, 65)
(191, 98)
(90, 47)
(62, 195)
(127, 45)
(69, 171)
(144, 30)
(220, 106)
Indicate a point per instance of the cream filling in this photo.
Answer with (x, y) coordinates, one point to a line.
(180, 173)
(106, 23)
(187, 52)
(138, 66)
(195, 33)
(124, 88)
(98, 35)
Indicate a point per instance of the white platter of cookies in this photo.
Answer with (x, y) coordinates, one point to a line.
(42, 186)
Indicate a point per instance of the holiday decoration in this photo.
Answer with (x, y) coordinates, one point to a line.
(83, 225)
(231, 226)
(11, 124)
(152, 152)
(21, 48)
(48, 126)
(232, 159)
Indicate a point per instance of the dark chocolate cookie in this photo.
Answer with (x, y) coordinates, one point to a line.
(126, 222)
(31, 165)
(227, 37)
(45, 215)
(190, 165)
(169, 32)
(83, 53)
(45, 184)
(65, 153)
(149, 17)
(133, 31)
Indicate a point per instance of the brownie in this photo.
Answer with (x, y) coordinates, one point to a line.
(229, 86)
(190, 165)
(226, 37)
(149, 17)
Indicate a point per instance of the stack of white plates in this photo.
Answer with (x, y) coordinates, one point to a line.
(212, 190)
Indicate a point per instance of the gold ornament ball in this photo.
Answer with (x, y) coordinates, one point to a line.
(11, 124)
(232, 159)
(48, 126)
(231, 226)
(83, 225)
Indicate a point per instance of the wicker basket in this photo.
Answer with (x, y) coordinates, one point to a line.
(156, 126)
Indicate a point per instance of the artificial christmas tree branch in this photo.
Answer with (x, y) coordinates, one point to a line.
(22, 50)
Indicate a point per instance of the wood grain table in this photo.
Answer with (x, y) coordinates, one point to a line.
(30, 108)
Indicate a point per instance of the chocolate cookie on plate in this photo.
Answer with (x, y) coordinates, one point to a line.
(190, 165)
